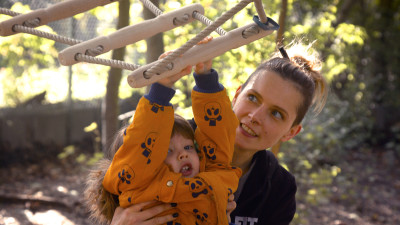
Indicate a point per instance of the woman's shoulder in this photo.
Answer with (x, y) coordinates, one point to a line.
(269, 166)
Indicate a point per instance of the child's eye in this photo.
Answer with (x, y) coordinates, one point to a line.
(188, 147)
(169, 150)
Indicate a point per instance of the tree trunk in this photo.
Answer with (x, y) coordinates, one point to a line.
(110, 107)
(279, 41)
(282, 20)
(155, 44)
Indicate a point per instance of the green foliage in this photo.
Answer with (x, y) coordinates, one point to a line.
(23, 60)
(359, 46)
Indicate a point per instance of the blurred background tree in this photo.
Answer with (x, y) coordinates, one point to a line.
(357, 40)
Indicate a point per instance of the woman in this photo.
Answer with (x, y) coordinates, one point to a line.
(270, 106)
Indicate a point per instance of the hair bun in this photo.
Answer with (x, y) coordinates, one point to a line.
(307, 60)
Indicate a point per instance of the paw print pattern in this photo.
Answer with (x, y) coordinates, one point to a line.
(148, 145)
(209, 149)
(126, 175)
(173, 223)
(212, 111)
(200, 217)
(155, 107)
(130, 198)
(197, 188)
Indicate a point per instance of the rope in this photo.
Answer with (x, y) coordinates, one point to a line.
(200, 17)
(260, 11)
(54, 37)
(90, 53)
(160, 66)
(165, 63)
(106, 62)
(154, 9)
(28, 25)
(8, 12)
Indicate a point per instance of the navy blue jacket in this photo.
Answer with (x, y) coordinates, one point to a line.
(268, 196)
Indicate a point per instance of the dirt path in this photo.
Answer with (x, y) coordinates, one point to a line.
(51, 194)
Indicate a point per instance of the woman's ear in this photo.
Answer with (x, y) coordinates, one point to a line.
(291, 133)
(236, 94)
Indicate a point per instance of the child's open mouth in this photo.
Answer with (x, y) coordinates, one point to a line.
(186, 170)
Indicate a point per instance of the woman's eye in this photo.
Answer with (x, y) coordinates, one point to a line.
(252, 98)
(277, 114)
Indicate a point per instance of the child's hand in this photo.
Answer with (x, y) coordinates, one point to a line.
(204, 67)
(170, 81)
(230, 207)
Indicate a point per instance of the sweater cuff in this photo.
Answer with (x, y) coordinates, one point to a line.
(160, 94)
(207, 83)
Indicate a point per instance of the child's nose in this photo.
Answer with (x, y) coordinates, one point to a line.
(182, 155)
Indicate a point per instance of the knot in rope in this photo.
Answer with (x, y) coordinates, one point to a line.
(250, 31)
(32, 22)
(95, 51)
(157, 71)
(178, 21)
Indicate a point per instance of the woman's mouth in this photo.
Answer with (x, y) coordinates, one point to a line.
(186, 170)
(248, 130)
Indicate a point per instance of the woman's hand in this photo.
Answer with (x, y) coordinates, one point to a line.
(136, 215)
(230, 207)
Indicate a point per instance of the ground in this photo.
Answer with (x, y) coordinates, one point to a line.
(50, 192)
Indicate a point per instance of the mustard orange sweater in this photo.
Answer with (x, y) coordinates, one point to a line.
(138, 173)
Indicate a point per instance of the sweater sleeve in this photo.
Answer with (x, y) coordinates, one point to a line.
(215, 136)
(215, 119)
(145, 144)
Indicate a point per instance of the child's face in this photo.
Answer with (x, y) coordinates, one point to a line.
(182, 156)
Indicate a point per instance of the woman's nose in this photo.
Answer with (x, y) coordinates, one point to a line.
(256, 115)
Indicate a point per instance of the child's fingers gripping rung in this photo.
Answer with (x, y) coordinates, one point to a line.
(197, 54)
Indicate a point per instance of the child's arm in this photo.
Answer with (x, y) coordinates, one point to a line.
(216, 122)
(215, 135)
(145, 143)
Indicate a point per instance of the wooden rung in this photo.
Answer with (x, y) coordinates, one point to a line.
(199, 53)
(131, 34)
(55, 12)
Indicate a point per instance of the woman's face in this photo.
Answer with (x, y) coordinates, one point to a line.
(266, 109)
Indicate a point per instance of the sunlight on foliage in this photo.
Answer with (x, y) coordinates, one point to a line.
(91, 127)
(335, 67)
(81, 158)
(68, 150)
(351, 34)
(363, 75)
(95, 158)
